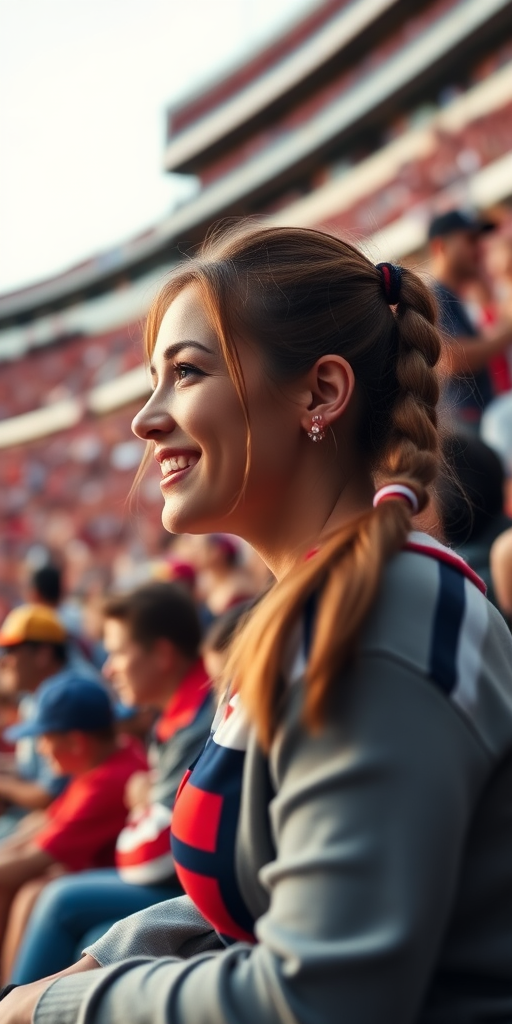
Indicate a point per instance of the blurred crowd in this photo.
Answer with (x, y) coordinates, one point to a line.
(103, 707)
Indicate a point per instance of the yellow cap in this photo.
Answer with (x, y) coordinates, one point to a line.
(33, 622)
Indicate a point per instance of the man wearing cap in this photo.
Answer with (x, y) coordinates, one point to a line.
(455, 239)
(74, 725)
(33, 649)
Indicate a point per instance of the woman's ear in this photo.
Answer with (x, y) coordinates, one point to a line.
(330, 385)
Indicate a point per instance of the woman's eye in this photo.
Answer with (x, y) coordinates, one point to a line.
(182, 371)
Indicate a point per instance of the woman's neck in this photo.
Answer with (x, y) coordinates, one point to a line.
(303, 527)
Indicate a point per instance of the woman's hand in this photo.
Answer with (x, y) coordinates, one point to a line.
(18, 1007)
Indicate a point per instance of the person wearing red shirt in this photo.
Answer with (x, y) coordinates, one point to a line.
(75, 726)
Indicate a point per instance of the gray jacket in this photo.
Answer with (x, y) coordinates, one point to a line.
(381, 873)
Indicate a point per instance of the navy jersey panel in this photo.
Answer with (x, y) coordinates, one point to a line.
(204, 827)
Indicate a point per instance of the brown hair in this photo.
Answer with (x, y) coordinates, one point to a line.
(301, 294)
(155, 611)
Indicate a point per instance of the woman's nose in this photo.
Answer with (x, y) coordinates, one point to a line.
(153, 420)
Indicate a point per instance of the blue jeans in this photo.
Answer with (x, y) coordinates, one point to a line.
(71, 907)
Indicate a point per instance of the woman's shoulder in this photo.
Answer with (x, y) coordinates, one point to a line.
(432, 614)
(428, 596)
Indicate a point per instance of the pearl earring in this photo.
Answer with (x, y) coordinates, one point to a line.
(317, 432)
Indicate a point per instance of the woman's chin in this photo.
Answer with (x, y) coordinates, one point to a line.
(186, 519)
(182, 519)
(174, 522)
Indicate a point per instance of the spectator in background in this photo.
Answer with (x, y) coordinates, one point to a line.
(174, 570)
(33, 646)
(74, 727)
(471, 501)
(501, 572)
(216, 643)
(224, 582)
(499, 261)
(152, 636)
(46, 587)
(456, 246)
(8, 716)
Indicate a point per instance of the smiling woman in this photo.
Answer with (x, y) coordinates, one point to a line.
(344, 839)
(191, 386)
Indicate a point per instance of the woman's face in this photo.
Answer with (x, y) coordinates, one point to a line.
(195, 420)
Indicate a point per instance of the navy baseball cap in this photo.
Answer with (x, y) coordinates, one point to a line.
(66, 702)
(458, 220)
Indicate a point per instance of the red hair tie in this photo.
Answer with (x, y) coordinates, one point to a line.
(391, 281)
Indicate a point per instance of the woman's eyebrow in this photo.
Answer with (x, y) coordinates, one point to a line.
(172, 350)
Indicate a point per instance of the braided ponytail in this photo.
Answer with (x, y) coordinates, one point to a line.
(411, 453)
(346, 571)
(300, 294)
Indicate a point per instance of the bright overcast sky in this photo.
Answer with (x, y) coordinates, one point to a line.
(83, 87)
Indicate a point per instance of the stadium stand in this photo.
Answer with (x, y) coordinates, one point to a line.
(364, 118)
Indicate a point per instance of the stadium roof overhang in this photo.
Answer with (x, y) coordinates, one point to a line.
(239, 192)
(352, 29)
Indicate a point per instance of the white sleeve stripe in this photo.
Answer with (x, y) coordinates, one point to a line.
(469, 653)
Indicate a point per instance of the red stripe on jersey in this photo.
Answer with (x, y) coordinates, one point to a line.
(196, 818)
(183, 782)
(206, 894)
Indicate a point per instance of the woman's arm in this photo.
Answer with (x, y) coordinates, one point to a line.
(173, 927)
(18, 1006)
(370, 821)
